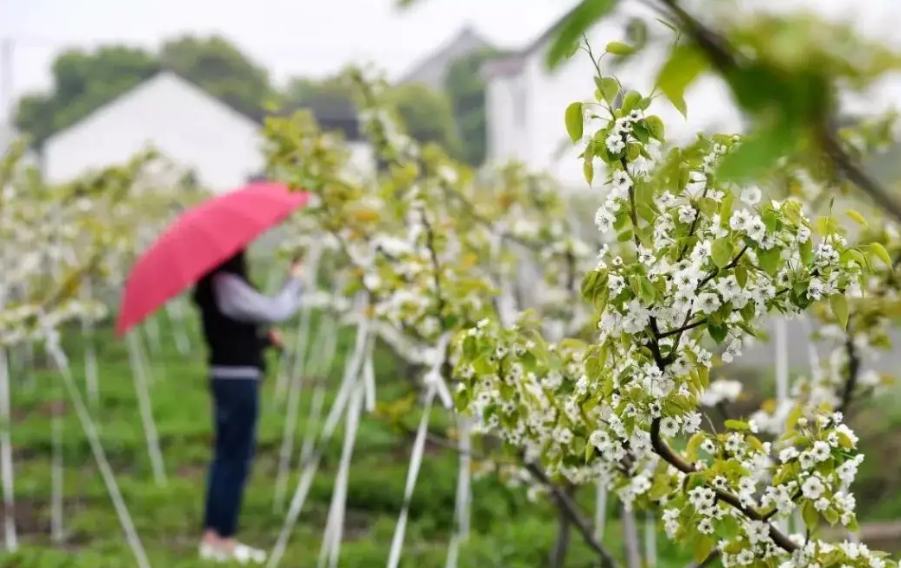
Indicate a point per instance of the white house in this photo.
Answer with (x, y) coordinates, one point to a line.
(525, 102)
(193, 129)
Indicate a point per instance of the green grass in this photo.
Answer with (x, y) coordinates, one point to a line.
(507, 530)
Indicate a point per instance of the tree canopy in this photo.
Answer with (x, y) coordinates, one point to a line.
(83, 81)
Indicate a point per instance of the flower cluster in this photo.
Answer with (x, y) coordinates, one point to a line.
(700, 261)
(57, 238)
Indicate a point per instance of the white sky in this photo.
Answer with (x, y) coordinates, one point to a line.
(313, 37)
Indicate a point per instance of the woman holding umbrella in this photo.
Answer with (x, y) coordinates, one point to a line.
(198, 250)
(232, 312)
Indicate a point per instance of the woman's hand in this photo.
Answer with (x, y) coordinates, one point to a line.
(275, 338)
(296, 270)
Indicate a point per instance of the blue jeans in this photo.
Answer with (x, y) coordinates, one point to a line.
(236, 407)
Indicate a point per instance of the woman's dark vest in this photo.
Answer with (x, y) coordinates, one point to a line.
(231, 343)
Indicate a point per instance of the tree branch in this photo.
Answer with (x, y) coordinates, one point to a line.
(572, 511)
(664, 451)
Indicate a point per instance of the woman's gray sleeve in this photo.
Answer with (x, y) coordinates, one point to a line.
(239, 301)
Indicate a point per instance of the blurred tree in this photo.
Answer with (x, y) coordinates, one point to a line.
(86, 80)
(82, 81)
(428, 115)
(466, 90)
(327, 96)
(221, 69)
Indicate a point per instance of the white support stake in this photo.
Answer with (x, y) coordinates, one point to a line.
(57, 473)
(780, 342)
(650, 539)
(106, 471)
(600, 510)
(350, 379)
(6, 458)
(463, 500)
(295, 386)
(331, 546)
(400, 530)
(175, 312)
(146, 410)
(323, 358)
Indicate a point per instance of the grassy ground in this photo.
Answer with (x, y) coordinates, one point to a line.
(508, 531)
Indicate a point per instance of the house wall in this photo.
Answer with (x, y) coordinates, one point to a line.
(191, 128)
(508, 115)
(545, 145)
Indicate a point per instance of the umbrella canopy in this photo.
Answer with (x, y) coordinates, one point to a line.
(199, 240)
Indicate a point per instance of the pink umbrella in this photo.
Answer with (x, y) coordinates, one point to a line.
(199, 240)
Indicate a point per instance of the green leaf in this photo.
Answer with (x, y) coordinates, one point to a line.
(793, 418)
(609, 89)
(703, 547)
(633, 150)
(877, 250)
(839, 305)
(619, 48)
(721, 252)
(741, 274)
(857, 217)
(684, 66)
(655, 126)
(770, 260)
(588, 169)
(810, 515)
(736, 425)
(648, 292)
(631, 100)
(758, 153)
(827, 226)
(717, 332)
(574, 25)
(575, 121)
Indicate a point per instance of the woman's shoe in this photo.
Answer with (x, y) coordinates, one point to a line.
(248, 555)
(212, 553)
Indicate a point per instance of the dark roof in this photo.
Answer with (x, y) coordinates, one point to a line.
(512, 62)
(467, 35)
(332, 113)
